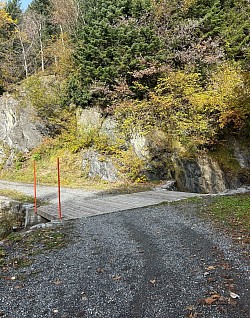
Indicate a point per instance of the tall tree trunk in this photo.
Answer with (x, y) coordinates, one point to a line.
(62, 37)
(41, 46)
(23, 52)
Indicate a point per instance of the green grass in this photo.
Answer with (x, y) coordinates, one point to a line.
(194, 200)
(26, 246)
(233, 211)
(46, 167)
(230, 213)
(224, 155)
(71, 175)
(71, 172)
(17, 196)
(45, 239)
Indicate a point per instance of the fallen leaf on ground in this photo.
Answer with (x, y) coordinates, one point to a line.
(193, 315)
(57, 282)
(117, 277)
(212, 299)
(211, 279)
(100, 270)
(246, 240)
(209, 268)
(225, 266)
(223, 300)
(153, 281)
(233, 295)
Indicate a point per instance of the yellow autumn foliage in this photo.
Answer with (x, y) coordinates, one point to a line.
(61, 50)
(187, 111)
(5, 18)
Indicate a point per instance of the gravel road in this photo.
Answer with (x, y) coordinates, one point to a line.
(161, 261)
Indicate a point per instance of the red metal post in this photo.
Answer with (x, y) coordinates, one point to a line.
(35, 202)
(59, 190)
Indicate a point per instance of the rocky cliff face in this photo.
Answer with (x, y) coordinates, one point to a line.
(17, 127)
(95, 166)
(204, 173)
(18, 130)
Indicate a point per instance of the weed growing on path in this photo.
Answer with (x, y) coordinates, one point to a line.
(19, 249)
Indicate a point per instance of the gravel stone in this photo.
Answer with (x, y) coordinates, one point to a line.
(148, 262)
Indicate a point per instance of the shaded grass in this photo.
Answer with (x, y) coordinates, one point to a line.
(19, 248)
(233, 211)
(17, 196)
(71, 174)
(2, 256)
(46, 166)
(9, 220)
(229, 213)
(40, 239)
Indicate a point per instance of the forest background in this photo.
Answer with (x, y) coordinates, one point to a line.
(181, 66)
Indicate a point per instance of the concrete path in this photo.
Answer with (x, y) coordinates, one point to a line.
(78, 203)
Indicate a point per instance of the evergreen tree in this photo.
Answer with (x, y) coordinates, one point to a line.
(13, 7)
(227, 20)
(117, 49)
(43, 10)
(40, 6)
(235, 31)
(11, 68)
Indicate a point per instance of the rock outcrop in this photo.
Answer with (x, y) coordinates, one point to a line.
(88, 119)
(98, 166)
(12, 215)
(18, 129)
(202, 173)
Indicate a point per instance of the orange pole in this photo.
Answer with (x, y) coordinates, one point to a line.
(59, 190)
(35, 202)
